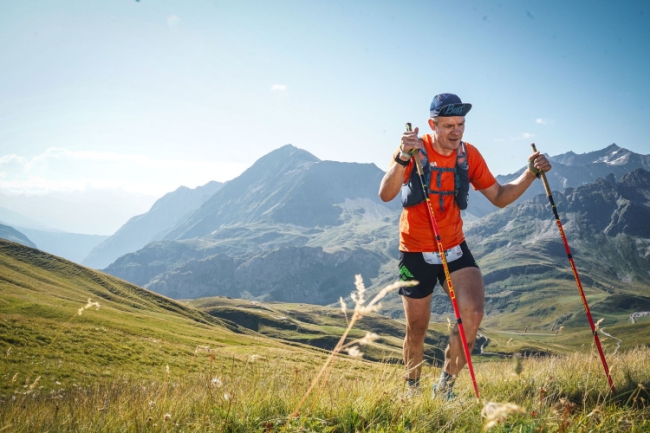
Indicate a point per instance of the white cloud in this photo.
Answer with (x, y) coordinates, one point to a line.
(59, 169)
(541, 121)
(278, 88)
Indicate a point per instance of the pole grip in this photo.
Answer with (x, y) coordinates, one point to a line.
(418, 163)
(543, 176)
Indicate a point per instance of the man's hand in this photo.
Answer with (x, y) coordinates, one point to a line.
(410, 141)
(537, 163)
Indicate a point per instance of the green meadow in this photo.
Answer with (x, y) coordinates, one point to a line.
(83, 351)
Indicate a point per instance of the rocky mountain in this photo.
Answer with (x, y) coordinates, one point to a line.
(287, 186)
(13, 235)
(167, 212)
(525, 264)
(278, 250)
(569, 170)
(288, 274)
(325, 218)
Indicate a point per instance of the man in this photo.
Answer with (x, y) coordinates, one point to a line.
(450, 165)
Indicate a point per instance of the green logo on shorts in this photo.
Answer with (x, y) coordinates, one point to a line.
(404, 274)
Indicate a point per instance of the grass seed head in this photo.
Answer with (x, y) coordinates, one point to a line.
(343, 306)
(496, 413)
(597, 325)
(354, 352)
(88, 305)
(368, 338)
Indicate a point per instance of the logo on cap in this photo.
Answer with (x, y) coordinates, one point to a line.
(448, 104)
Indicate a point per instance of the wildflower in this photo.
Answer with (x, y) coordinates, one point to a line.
(227, 397)
(152, 403)
(495, 413)
(216, 382)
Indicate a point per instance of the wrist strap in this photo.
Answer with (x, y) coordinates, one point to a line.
(400, 161)
(533, 169)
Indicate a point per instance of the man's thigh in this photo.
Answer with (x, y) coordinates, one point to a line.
(468, 288)
(417, 312)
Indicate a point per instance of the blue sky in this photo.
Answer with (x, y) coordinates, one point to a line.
(148, 95)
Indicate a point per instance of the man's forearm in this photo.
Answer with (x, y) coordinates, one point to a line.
(511, 191)
(391, 183)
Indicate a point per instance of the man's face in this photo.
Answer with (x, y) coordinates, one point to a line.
(449, 131)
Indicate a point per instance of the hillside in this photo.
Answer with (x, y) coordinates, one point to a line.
(135, 331)
(11, 234)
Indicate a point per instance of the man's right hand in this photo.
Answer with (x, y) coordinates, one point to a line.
(410, 141)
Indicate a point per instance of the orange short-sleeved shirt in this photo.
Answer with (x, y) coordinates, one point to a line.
(416, 232)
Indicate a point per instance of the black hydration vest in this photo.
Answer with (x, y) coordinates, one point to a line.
(412, 193)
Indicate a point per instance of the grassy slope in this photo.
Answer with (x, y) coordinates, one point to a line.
(105, 370)
(318, 326)
(133, 332)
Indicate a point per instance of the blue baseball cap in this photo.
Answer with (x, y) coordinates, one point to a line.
(447, 105)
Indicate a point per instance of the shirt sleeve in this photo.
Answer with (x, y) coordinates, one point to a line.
(480, 175)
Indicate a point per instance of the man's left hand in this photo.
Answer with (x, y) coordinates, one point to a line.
(538, 162)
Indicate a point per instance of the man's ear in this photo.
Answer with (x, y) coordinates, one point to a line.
(432, 123)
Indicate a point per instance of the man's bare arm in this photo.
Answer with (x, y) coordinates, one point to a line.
(392, 181)
(502, 195)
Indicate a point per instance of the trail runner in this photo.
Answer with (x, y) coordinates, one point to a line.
(452, 166)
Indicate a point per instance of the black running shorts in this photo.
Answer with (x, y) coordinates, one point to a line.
(413, 267)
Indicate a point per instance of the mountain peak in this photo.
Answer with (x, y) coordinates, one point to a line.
(289, 153)
(611, 154)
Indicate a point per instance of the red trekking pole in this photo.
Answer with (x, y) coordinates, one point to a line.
(577, 278)
(452, 294)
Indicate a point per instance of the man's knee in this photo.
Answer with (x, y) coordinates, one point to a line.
(416, 332)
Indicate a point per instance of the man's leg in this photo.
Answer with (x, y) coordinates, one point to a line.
(470, 296)
(417, 312)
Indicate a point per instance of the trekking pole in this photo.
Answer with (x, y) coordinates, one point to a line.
(577, 278)
(452, 293)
